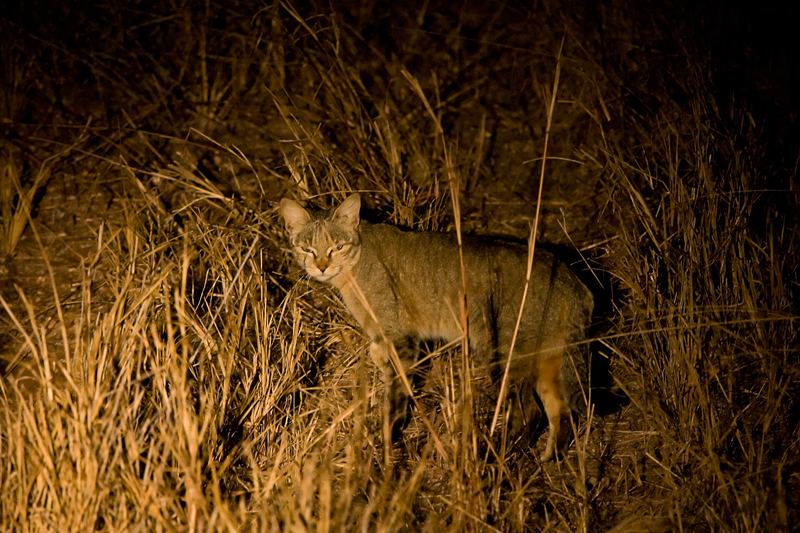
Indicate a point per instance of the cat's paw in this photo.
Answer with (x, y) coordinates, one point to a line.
(550, 453)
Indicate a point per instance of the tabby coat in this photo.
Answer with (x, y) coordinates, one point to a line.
(403, 287)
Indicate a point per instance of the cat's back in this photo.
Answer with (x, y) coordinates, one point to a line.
(424, 258)
(435, 252)
(431, 262)
(438, 251)
(389, 240)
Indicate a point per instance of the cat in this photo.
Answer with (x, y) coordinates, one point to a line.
(403, 287)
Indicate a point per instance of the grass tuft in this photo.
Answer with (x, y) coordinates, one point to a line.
(167, 367)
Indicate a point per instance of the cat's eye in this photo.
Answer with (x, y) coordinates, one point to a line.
(337, 248)
(309, 251)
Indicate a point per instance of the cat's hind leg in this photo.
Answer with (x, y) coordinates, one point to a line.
(536, 372)
(524, 413)
(558, 413)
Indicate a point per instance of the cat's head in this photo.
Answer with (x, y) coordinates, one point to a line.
(324, 243)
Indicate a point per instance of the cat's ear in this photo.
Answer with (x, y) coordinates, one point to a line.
(347, 213)
(293, 215)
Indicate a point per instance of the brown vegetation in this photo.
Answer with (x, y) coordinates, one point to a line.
(165, 368)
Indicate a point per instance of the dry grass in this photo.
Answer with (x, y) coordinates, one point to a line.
(192, 381)
(17, 201)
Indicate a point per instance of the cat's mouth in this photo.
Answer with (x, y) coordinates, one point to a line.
(326, 275)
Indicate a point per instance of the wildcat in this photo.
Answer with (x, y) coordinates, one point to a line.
(411, 282)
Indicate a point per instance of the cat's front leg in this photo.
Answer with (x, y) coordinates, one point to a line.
(379, 353)
(396, 405)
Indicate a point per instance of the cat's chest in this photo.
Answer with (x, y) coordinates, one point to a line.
(360, 305)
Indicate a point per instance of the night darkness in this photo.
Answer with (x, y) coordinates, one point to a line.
(165, 366)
